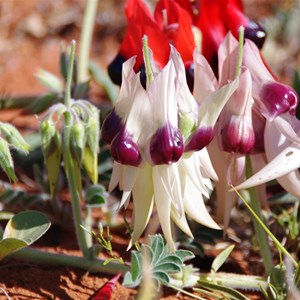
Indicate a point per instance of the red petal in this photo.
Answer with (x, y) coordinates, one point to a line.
(140, 23)
(178, 29)
(105, 292)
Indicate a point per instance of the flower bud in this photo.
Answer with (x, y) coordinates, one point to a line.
(112, 124)
(90, 154)
(278, 98)
(77, 141)
(199, 139)
(125, 150)
(238, 135)
(6, 161)
(166, 145)
(51, 145)
(13, 137)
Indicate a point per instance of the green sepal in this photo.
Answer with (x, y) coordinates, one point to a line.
(77, 141)
(90, 154)
(52, 148)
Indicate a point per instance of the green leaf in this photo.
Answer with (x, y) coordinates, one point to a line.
(161, 277)
(96, 195)
(184, 255)
(41, 103)
(27, 226)
(136, 265)
(221, 258)
(49, 81)
(227, 292)
(10, 245)
(102, 79)
(168, 267)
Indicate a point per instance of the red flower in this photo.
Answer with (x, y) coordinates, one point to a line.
(171, 24)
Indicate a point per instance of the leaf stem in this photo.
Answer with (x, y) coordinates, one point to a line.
(73, 182)
(86, 39)
(260, 233)
(95, 265)
(70, 75)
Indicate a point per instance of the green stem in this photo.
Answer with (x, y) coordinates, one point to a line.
(70, 74)
(266, 229)
(73, 184)
(185, 292)
(86, 39)
(236, 281)
(260, 233)
(88, 226)
(96, 265)
(149, 73)
(240, 53)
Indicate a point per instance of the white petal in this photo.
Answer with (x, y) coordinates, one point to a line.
(285, 162)
(206, 166)
(276, 142)
(142, 195)
(227, 58)
(115, 176)
(205, 79)
(181, 222)
(212, 106)
(191, 168)
(163, 206)
(129, 177)
(194, 206)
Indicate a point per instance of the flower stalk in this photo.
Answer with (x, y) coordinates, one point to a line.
(84, 242)
(260, 232)
(95, 265)
(85, 39)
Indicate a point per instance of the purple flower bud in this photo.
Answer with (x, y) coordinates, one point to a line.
(255, 33)
(124, 150)
(238, 135)
(279, 98)
(112, 124)
(166, 145)
(200, 139)
(190, 72)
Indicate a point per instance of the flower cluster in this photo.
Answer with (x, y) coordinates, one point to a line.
(158, 137)
(184, 24)
(159, 130)
(244, 126)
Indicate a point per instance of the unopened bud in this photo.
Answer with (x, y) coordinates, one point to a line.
(90, 154)
(77, 141)
(13, 137)
(51, 145)
(166, 145)
(256, 33)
